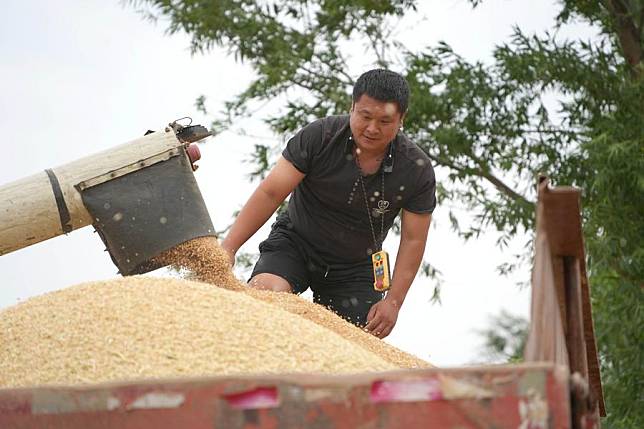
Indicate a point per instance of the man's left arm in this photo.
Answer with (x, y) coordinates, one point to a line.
(383, 315)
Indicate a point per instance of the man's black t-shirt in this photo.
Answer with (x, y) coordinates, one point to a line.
(327, 209)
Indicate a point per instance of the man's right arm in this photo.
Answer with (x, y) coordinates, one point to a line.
(280, 182)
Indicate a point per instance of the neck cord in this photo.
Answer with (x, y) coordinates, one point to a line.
(366, 202)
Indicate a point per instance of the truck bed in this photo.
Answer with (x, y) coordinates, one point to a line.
(527, 396)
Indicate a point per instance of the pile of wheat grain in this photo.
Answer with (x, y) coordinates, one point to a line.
(147, 327)
(144, 327)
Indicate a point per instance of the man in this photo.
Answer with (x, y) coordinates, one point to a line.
(349, 177)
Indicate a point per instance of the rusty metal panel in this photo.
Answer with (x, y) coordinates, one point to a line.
(559, 280)
(516, 396)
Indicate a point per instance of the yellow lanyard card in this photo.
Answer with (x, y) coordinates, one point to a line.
(381, 276)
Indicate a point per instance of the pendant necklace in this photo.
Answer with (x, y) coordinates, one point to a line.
(380, 258)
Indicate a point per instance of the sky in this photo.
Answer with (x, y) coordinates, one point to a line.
(82, 76)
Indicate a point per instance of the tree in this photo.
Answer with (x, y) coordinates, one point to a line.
(504, 338)
(571, 109)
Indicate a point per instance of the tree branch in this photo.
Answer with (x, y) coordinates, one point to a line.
(327, 77)
(628, 33)
(380, 56)
(302, 84)
(548, 131)
(504, 188)
(498, 183)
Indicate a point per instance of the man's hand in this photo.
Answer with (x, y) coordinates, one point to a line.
(382, 317)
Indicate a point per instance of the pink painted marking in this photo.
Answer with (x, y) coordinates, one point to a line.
(261, 397)
(406, 391)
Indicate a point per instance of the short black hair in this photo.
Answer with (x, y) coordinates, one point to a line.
(383, 85)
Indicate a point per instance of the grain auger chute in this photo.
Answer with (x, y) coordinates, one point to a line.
(141, 197)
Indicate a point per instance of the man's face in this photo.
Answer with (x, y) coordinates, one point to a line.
(374, 124)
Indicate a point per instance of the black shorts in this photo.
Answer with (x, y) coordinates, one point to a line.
(346, 289)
